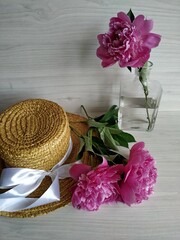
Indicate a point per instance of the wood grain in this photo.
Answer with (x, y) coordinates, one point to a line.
(157, 218)
(48, 50)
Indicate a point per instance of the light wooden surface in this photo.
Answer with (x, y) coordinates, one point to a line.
(47, 50)
(155, 219)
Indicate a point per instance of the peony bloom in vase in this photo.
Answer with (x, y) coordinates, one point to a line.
(129, 42)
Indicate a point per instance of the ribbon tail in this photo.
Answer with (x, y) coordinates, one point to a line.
(14, 204)
(52, 194)
(22, 190)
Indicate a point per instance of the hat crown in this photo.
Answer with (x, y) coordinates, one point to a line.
(34, 134)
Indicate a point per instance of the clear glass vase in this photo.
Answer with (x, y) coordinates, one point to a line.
(139, 101)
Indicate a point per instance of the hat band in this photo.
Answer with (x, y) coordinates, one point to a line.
(23, 181)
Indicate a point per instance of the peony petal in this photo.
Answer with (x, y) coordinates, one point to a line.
(127, 194)
(129, 64)
(113, 22)
(142, 61)
(136, 154)
(147, 26)
(151, 40)
(102, 53)
(77, 169)
(124, 17)
(100, 38)
(108, 62)
(137, 146)
(128, 171)
(139, 22)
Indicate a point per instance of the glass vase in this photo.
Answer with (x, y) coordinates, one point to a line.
(139, 100)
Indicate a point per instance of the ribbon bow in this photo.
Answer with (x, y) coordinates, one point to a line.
(23, 181)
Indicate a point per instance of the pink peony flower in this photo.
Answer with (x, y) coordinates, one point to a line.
(126, 42)
(140, 176)
(95, 187)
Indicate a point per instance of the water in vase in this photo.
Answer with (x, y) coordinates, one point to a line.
(133, 113)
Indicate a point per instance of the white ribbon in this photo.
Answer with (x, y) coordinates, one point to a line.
(23, 181)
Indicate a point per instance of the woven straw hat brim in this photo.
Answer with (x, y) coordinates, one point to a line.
(78, 122)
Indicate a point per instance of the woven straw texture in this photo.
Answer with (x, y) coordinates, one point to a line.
(78, 123)
(33, 132)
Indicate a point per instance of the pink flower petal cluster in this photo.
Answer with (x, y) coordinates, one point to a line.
(128, 43)
(95, 187)
(140, 176)
(130, 184)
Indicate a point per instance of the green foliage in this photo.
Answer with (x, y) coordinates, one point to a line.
(104, 137)
(130, 69)
(131, 15)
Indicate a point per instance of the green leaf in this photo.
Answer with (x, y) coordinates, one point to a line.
(114, 137)
(88, 141)
(110, 117)
(114, 130)
(118, 137)
(99, 147)
(128, 137)
(93, 123)
(107, 138)
(131, 15)
(120, 141)
(101, 150)
(81, 148)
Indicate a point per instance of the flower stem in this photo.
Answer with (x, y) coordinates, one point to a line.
(75, 131)
(85, 112)
(143, 79)
(147, 109)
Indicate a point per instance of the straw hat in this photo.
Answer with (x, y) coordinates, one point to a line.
(35, 134)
